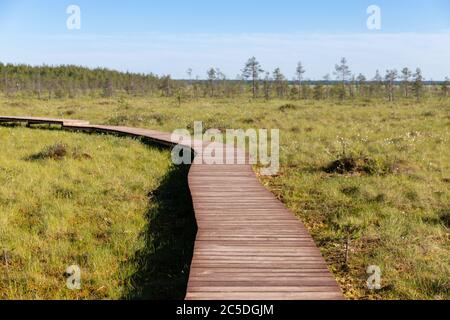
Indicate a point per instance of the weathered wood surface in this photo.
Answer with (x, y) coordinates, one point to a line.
(35, 120)
(248, 246)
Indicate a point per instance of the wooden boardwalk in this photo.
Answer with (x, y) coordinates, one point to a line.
(248, 246)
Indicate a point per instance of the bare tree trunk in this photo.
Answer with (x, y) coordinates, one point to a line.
(300, 93)
(254, 87)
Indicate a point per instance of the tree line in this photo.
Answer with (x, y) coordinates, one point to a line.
(69, 81)
(64, 81)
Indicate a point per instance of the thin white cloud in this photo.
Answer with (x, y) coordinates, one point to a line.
(174, 53)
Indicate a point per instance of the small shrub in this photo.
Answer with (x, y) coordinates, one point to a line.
(63, 193)
(429, 114)
(348, 165)
(380, 198)
(444, 218)
(80, 155)
(248, 120)
(59, 151)
(55, 152)
(69, 112)
(350, 191)
(287, 107)
(5, 257)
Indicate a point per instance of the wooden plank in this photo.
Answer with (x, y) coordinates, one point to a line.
(275, 295)
(261, 289)
(244, 281)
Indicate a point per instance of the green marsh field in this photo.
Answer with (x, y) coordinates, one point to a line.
(369, 178)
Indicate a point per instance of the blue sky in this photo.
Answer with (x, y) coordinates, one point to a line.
(170, 36)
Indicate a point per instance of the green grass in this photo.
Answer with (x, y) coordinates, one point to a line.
(393, 204)
(86, 206)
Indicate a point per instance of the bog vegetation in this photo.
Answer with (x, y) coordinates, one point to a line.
(72, 199)
(364, 163)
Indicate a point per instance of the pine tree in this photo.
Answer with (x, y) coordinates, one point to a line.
(212, 76)
(342, 73)
(267, 86)
(280, 82)
(361, 81)
(252, 70)
(406, 76)
(417, 85)
(391, 76)
(189, 74)
(300, 71)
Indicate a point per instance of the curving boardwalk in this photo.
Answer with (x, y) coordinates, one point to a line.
(248, 245)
